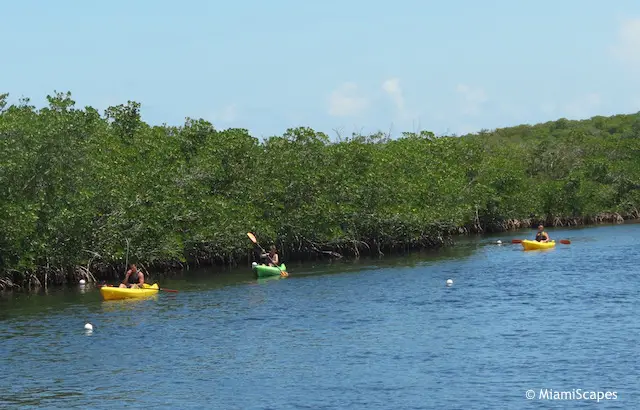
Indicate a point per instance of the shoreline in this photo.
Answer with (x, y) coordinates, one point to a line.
(84, 192)
(345, 250)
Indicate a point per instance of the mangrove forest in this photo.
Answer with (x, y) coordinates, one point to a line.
(82, 192)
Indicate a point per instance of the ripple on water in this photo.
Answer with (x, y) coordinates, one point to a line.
(383, 338)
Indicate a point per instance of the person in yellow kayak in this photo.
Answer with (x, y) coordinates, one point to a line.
(272, 256)
(133, 279)
(542, 236)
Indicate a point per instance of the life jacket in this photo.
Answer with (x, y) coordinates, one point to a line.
(540, 236)
(134, 277)
(280, 262)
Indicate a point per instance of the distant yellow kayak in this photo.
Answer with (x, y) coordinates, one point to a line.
(116, 293)
(533, 245)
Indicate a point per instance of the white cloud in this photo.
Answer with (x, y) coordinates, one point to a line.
(583, 107)
(627, 47)
(345, 101)
(393, 90)
(473, 98)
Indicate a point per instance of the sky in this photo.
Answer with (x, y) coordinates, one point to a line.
(335, 66)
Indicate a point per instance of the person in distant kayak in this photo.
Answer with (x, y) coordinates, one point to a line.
(542, 236)
(133, 279)
(272, 256)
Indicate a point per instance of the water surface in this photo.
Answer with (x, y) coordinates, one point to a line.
(377, 334)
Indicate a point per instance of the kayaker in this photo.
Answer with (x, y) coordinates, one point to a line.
(274, 259)
(542, 236)
(133, 278)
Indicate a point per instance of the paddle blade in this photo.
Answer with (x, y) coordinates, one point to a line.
(169, 290)
(284, 274)
(252, 237)
(516, 241)
(565, 241)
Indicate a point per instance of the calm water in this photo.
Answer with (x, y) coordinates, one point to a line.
(374, 335)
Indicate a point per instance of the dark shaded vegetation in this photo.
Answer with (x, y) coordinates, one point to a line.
(75, 185)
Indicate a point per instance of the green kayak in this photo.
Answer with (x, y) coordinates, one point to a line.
(264, 270)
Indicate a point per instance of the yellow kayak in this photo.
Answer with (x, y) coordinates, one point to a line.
(116, 293)
(532, 245)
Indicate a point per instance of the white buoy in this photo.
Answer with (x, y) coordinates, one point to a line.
(499, 242)
(88, 326)
(449, 282)
(254, 264)
(82, 281)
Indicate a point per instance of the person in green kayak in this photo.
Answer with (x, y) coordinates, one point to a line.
(272, 256)
(133, 279)
(542, 236)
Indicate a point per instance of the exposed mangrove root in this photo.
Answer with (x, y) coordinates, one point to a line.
(377, 246)
(85, 274)
(315, 248)
(298, 249)
(32, 281)
(7, 284)
(506, 225)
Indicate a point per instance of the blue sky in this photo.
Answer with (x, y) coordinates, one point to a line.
(352, 66)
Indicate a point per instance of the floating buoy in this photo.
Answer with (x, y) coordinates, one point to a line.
(254, 264)
(449, 282)
(82, 281)
(88, 326)
(499, 242)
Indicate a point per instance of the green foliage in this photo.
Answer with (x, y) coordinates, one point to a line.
(75, 181)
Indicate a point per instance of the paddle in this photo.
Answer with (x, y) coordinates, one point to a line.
(563, 241)
(163, 289)
(255, 241)
(126, 263)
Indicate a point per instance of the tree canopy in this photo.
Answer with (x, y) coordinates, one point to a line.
(76, 184)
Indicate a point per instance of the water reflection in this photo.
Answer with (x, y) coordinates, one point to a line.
(266, 279)
(531, 252)
(125, 305)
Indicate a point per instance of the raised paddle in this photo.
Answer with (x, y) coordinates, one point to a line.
(163, 289)
(126, 263)
(563, 241)
(253, 239)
